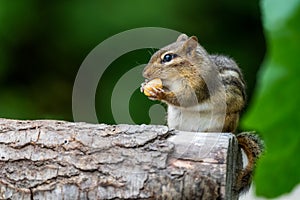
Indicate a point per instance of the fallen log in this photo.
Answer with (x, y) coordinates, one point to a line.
(49, 159)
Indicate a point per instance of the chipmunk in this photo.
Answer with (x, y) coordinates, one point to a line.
(204, 93)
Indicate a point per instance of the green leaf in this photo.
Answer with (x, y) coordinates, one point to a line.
(274, 111)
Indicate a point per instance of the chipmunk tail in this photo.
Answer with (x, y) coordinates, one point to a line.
(253, 147)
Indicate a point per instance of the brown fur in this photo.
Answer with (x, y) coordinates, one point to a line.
(184, 71)
(253, 147)
(193, 72)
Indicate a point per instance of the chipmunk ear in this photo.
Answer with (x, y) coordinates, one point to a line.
(182, 37)
(190, 45)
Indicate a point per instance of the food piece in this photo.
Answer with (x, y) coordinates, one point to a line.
(153, 84)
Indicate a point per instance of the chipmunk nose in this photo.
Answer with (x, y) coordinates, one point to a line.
(146, 72)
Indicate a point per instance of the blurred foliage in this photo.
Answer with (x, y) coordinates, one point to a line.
(274, 111)
(43, 43)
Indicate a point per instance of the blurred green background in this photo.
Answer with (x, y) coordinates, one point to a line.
(43, 43)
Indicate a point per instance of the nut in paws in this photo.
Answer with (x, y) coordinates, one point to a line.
(153, 89)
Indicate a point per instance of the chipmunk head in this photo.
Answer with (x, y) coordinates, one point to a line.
(179, 64)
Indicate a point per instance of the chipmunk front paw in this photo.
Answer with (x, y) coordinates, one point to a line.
(153, 89)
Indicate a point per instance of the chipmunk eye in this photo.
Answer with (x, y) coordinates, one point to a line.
(168, 57)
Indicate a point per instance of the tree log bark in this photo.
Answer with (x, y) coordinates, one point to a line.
(48, 159)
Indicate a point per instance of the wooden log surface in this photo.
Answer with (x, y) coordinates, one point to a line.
(49, 159)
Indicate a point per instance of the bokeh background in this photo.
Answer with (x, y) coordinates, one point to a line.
(43, 43)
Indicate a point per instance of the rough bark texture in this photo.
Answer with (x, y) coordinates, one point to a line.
(49, 159)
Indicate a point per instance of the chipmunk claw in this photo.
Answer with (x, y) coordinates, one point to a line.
(153, 89)
(155, 93)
